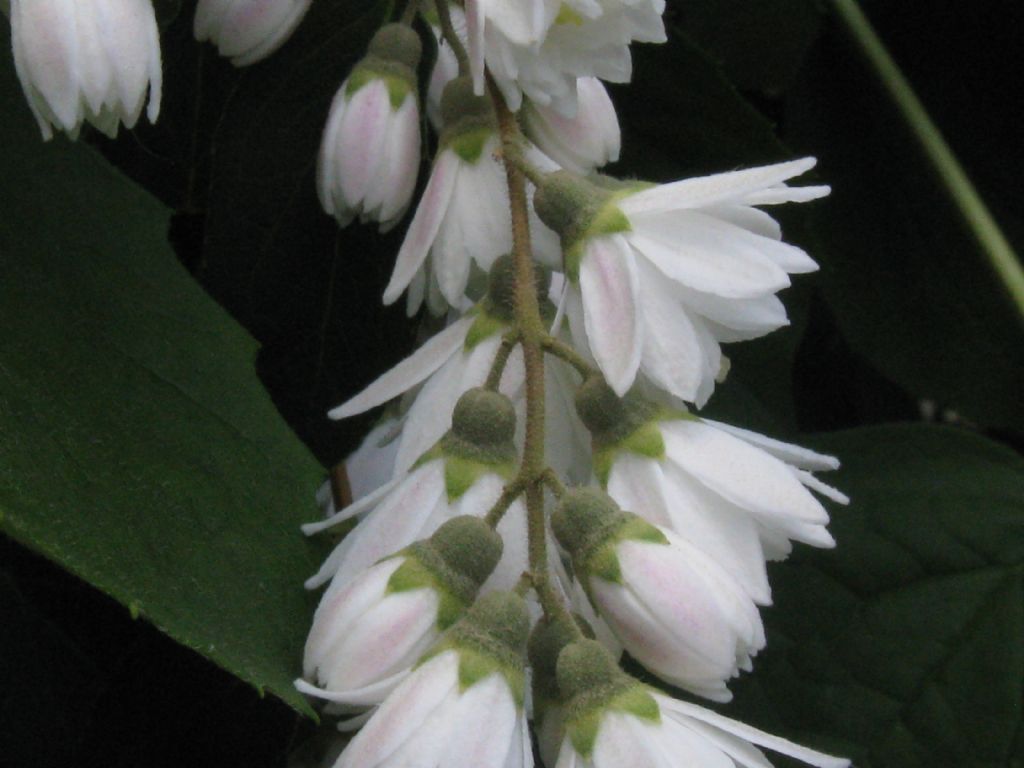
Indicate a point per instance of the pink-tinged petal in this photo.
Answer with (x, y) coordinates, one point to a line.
(409, 710)
(744, 475)
(272, 42)
(209, 18)
(731, 187)
(486, 721)
(46, 54)
(707, 254)
(425, 224)
(415, 369)
(396, 522)
(402, 163)
(386, 639)
(803, 458)
(750, 734)
(609, 286)
(339, 609)
(362, 142)
(672, 355)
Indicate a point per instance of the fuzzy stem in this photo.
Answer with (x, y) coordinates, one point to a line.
(531, 332)
(510, 493)
(409, 13)
(517, 156)
(556, 486)
(448, 31)
(563, 351)
(501, 360)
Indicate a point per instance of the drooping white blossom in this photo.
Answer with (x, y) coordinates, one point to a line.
(370, 151)
(618, 723)
(462, 218)
(539, 48)
(87, 61)
(368, 633)
(673, 608)
(463, 474)
(730, 493)
(247, 31)
(463, 706)
(662, 274)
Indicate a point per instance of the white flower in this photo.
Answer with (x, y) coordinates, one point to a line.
(626, 724)
(463, 474)
(463, 217)
(665, 273)
(370, 152)
(540, 47)
(730, 493)
(580, 143)
(368, 633)
(671, 606)
(87, 60)
(463, 706)
(247, 31)
(459, 358)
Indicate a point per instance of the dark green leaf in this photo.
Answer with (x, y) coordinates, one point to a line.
(907, 267)
(904, 646)
(137, 447)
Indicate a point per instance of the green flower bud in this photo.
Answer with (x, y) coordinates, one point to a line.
(469, 120)
(484, 420)
(469, 547)
(397, 43)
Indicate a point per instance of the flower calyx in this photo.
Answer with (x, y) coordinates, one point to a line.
(578, 208)
(621, 424)
(592, 684)
(490, 638)
(589, 524)
(469, 120)
(392, 56)
(550, 635)
(495, 312)
(454, 562)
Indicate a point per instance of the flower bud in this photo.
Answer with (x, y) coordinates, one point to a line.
(483, 425)
(247, 31)
(370, 152)
(673, 608)
(368, 633)
(87, 61)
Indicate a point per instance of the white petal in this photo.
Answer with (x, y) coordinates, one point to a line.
(804, 458)
(707, 254)
(415, 369)
(717, 188)
(744, 475)
(405, 712)
(355, 508)
(823, 488)
(609, 286)
(424, 226)
(751, 734)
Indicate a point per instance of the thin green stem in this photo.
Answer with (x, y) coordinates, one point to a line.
(556, 486)
(564, 352)
(409, 13)
(986, 231)
(501, 360)
(444, 15)
(510, 493)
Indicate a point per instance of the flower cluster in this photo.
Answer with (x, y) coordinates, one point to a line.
(94, 61)
(541, 463)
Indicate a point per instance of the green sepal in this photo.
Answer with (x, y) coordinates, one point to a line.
(400, 80)
(460, 473)
(468, 138)
(603, 561)
(413, 574)
(485, 324)
(609, 220)
(582, 727)
(646, 440)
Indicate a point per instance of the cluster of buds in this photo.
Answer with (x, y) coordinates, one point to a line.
(542, 495)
